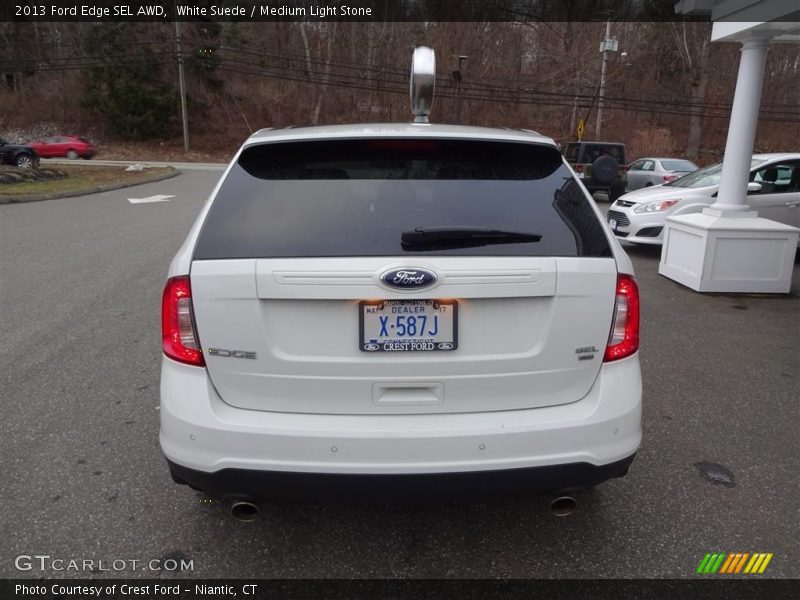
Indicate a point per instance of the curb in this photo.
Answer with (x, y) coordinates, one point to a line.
(95, 190)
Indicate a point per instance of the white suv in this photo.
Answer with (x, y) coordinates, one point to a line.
(389, 302)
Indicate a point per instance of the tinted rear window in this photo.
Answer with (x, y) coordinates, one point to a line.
(678, 165)
(356, 198)
(591, 152)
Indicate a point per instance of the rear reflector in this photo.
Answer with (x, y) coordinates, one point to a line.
(624, 338)
(178, 339)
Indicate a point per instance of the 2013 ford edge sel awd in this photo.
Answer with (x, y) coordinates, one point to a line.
(384, 303)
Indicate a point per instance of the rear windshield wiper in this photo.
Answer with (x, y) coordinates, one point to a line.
(460, 237)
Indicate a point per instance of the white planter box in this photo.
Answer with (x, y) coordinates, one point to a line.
(744, 254)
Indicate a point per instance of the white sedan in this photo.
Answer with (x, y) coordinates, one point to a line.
(773, 191)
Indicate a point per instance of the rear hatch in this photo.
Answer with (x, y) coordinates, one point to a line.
(402, 276)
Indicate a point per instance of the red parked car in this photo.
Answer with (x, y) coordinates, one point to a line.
(64, 146)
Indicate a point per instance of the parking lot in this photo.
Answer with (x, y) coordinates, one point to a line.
(84, 477)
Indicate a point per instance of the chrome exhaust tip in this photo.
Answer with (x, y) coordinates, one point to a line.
(244, 511)
(563, 506)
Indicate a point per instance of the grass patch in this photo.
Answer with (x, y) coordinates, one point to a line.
(81, 179)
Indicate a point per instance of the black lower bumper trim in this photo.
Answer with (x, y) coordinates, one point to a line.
(278, 485)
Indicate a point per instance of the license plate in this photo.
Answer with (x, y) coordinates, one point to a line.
(613, 224)
(408, 326)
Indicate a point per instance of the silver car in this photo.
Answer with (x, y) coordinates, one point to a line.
(656, 171)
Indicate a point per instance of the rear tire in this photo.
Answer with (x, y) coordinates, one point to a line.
(72, 155)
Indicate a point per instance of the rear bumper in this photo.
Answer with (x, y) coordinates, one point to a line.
(200, 433)
(253, 484)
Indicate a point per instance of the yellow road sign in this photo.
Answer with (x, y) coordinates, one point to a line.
(581, 129)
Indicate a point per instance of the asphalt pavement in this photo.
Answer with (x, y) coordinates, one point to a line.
(83, 477)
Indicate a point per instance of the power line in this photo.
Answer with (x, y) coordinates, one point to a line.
(390, 79)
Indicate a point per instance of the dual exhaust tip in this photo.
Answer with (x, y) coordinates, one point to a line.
(563, 506)
(247, 512)
(244, 511)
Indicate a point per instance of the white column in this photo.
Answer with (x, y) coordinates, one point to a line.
(727, 248)
(742, 130)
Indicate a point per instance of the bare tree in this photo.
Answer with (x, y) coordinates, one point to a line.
(692, 42)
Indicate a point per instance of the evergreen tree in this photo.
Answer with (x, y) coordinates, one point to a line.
(123, 85)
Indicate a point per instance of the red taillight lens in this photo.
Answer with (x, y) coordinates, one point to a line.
(579, 168)
(178, 338)
(668, 178)
(624, 338)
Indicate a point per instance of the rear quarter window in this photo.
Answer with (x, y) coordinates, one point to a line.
(357, 197)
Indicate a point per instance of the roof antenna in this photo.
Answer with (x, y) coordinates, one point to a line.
(423, 81)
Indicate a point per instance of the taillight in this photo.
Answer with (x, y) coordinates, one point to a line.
(178, 338)
(579, 168)
(624, 338)
(668, 178)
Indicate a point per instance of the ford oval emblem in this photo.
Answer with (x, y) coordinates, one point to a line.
(409, 278)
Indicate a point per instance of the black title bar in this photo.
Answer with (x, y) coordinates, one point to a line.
(697, 588)
(343, 10)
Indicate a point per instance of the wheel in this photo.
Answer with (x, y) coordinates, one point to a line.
(649, 184)
(24, 161)
(72, 155)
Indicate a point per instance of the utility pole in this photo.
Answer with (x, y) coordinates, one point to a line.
(181, 84)
(458, 77)
(608, 44)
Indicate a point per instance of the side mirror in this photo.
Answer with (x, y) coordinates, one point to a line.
(753, 187)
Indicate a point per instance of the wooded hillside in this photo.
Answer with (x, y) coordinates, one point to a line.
(669, 93)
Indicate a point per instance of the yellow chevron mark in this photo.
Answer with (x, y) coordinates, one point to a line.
(764, 564)
(761, 557)
(752, 562)
(757, 565)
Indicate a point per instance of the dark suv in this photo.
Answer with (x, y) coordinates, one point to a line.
(18, 155)
(599, 165)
